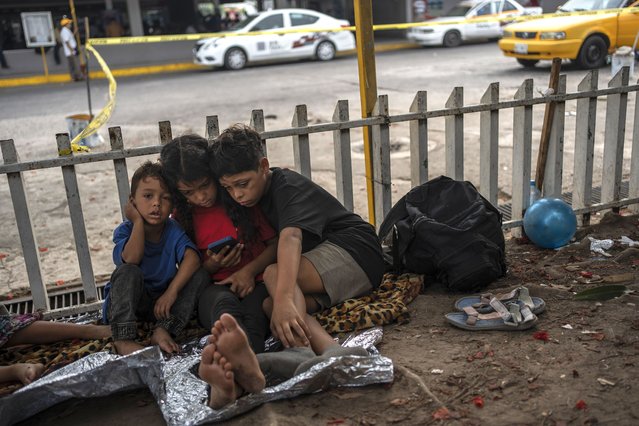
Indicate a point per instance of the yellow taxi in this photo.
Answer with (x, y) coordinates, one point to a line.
(584, 31)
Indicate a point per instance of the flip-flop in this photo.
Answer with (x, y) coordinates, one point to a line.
(481, 302)
(511, 317)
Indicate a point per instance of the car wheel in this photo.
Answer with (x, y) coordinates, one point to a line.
(593, 53)
(235, 59)
(527, 63)
(325, 51)
(452, 39)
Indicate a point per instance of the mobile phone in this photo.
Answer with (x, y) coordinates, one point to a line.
(218, 245)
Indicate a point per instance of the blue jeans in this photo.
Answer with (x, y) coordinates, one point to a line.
(130, 301)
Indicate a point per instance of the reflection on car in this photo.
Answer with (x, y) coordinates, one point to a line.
(465, 22)
(235, 50)
(585, 39)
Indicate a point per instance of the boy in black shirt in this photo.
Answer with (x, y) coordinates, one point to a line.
(325, 253)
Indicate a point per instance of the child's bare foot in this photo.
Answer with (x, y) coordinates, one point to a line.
(216, 371)
(232, 343)
(27, 373)
(126, 347)
(163, 339)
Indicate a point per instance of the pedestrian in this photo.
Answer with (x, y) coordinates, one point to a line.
(58, 44)
(3, 60)
(70, 48)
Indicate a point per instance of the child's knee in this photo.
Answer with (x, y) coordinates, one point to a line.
(270, 276)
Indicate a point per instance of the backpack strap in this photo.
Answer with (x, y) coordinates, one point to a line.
(397, 213)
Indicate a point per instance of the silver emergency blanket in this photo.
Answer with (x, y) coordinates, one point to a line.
(180, 394)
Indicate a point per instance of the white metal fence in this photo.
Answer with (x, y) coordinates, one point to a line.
(614, 191)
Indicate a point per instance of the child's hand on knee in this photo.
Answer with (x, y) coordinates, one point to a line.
(162, 308)
(242, 282)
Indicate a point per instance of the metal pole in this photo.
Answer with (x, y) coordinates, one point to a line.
(44, 63)
(367, 86)
(86, 57)
(76, 33)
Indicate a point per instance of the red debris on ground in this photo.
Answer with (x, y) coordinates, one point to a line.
(581, 405)
(541, 335)
(478, 401)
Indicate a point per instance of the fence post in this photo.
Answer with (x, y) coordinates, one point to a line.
(257, 123)
(119, 166)
(553, 175)
(522, 152)
(381, 161)
(77, 221)
(585, 124)
(28, 242)
(342, 152)
(455, 136)
(616, 106)
(165, 132)
(301, 149)
(419, 142)
(489, 145)
(212, 127)
(633, 185)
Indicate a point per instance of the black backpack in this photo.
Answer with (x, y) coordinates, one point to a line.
(445, 229)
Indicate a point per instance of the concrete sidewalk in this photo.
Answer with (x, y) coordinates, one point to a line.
(27, 67)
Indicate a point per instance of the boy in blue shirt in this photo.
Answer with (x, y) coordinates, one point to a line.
(158, 275)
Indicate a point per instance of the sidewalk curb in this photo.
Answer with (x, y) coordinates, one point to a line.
(159, 69)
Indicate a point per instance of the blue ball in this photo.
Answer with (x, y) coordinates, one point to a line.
(550, 223)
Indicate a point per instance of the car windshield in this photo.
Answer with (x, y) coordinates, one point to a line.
(580, 5)
(458, 11)
(243, 23)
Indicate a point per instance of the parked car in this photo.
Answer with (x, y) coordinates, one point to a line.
(467, 22)
(236, 50)
(585, 39)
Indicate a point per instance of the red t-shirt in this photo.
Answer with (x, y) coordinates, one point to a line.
(212, 223)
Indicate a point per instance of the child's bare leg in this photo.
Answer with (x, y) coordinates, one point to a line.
(25, 373)
(163, 339)
(217, 372)
(50, 331)
(231, 341)
(126, 347)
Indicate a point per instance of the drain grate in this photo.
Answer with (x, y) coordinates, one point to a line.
(58, 301)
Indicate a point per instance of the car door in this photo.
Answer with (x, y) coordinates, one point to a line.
(302, 44)
(478, 27)
(628, 26)
(267, 46)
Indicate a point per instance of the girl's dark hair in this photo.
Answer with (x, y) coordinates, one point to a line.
(238, 149)
(187, 159)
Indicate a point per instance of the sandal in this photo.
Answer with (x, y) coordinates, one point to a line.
(510, 317)
(481, 303)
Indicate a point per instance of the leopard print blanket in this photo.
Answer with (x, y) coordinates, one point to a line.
(385, 305)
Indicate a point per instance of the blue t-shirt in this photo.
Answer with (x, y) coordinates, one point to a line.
(160, 261)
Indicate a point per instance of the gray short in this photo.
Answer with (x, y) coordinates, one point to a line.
(342, 277)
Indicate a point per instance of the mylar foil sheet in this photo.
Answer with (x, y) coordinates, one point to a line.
(180, 394)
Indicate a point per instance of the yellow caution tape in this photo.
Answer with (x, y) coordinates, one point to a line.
(103, 116)
(502, 18)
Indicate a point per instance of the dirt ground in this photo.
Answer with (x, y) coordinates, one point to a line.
(584, 372)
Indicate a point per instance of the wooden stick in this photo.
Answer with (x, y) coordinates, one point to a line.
(549, 113)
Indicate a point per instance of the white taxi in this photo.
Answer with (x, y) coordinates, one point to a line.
(470, 20)
(311, 38)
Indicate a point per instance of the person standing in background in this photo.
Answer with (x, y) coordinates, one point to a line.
(70, 48)
(3, 60)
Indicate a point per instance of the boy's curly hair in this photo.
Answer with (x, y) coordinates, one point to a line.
(186, 159)
(147, 170)
(238, 149)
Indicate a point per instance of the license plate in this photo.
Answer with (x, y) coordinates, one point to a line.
(521, 48)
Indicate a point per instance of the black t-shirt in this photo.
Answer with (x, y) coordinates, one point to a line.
(293, 200)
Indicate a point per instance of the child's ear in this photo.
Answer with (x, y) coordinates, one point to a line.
(264, 165)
